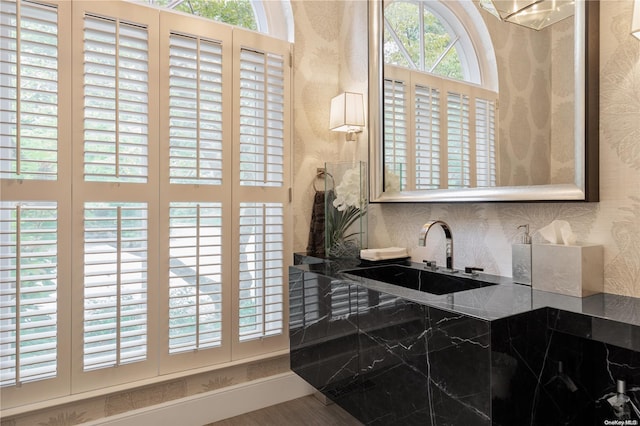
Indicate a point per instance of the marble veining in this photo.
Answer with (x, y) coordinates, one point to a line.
(499, 355)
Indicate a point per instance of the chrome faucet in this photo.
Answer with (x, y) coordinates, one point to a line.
(422, 240)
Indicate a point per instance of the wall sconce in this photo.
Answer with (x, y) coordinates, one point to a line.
(635, 20)
(347, 114)
(535, 14)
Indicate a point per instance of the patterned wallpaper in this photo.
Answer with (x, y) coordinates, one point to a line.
(562, 102)
(536, 145)
(330, 57)
(533, 75)
(482, 232)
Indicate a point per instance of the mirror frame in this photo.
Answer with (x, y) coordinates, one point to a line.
(587, 112)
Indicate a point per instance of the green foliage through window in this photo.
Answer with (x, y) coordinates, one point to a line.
(432, 51)
(234, 12)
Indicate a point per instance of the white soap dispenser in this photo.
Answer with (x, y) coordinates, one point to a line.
(521, 258)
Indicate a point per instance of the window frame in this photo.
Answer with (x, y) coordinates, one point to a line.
(480, 82)
(71, 191)
(461, 39)
(52, 191)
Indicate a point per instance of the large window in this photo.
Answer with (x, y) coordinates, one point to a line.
(439, 118)
(240, 13)
(144, 195)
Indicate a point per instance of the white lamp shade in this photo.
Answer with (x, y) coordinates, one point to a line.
(536, 14)
(347, 113)
(635, 20)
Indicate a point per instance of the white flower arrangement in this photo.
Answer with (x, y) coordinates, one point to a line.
(349, 205)
(391, 180)
(348, 191)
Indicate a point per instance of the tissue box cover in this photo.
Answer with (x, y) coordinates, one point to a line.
(572, 270)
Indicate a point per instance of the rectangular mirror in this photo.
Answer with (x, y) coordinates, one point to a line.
(465, 107)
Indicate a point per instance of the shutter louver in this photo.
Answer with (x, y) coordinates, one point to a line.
(261, 278)
(348, 300)
(195, 111)
(452, 126)
(116, 101)
(395, 128)
(28, 91)
(28, 292)
(115, 284)
(261, 119)
(458, 154)
(485, 143)
(195, 282)
(304, 301)
(427, 137)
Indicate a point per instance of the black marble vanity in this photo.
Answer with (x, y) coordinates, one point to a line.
(502, 354)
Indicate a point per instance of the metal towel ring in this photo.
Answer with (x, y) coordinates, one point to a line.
(321, 174)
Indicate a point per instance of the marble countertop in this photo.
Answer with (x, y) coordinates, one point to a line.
(490, 303)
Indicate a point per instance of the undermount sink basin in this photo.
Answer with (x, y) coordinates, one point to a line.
(418, 279)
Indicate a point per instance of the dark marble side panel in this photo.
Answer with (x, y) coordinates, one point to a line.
(624, 335)
(323, 333)
(459, 369)
(586, 357)
(543, 376)
(393, 363)
(422, 366)
(578, 378)
(569, 323)
(518, 353)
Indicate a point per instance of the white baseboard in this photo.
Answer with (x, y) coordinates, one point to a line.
(209, 407)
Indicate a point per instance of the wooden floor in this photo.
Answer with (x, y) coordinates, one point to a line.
(306, 411)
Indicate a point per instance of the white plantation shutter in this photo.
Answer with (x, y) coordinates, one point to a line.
(261, 270)
(458, 141)
(28, 292)
(35, 200)
(115, 261)
(115, 284)
(396, 131)
(427, 137)
(103, 263)
(116, 74)
(485, 142)
(260, 193)
(196, 87)
(195, 110)
(195, 282)
(261, 118)
(452, 126)
(28, 91)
